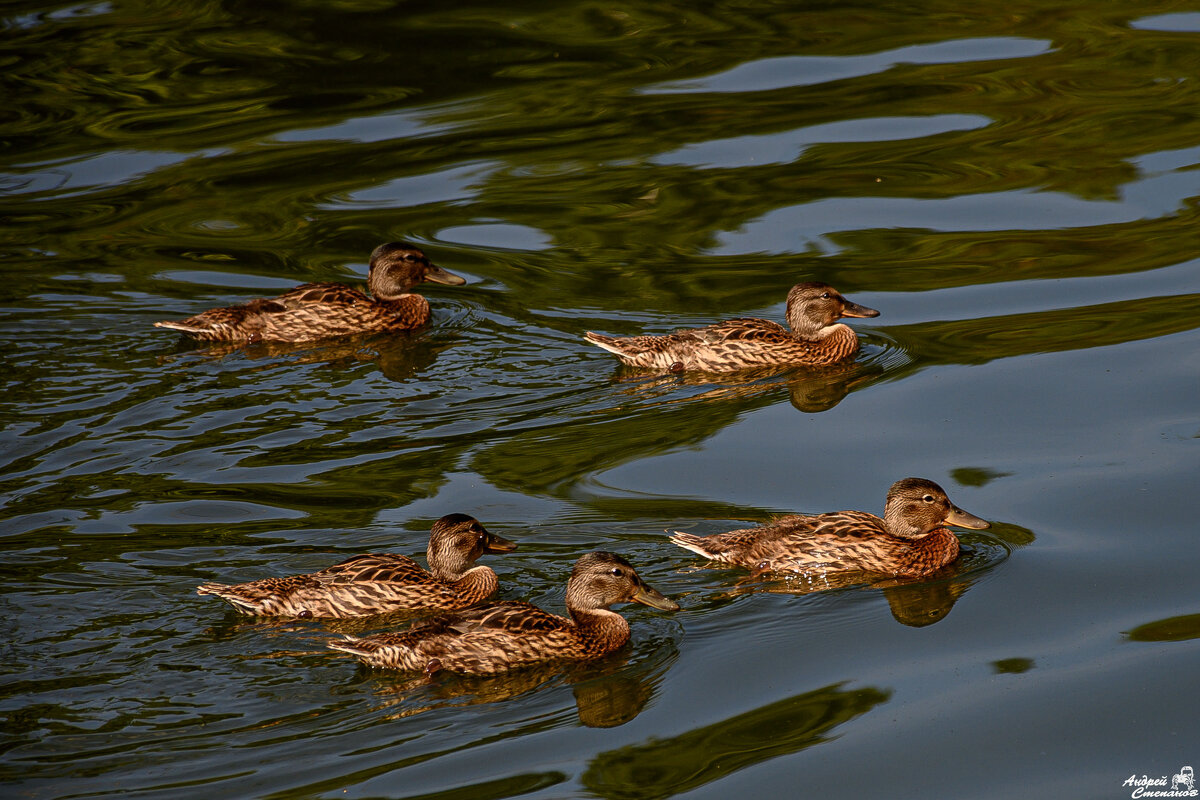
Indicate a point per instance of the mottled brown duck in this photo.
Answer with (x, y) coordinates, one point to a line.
(507, 635)
(816, 338)
(320, 310)
(911, 539)
(378, 583)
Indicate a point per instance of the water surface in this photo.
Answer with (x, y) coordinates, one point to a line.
(1014, 186)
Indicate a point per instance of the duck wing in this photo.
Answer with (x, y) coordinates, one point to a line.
(515, 617)
(741, 329)
(795, 536)
(327, 293)
(841, 541)
(847, 525)
(375, 568)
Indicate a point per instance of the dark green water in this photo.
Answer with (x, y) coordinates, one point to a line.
(1016, 186)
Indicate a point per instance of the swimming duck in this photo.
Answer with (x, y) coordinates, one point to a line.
(816, 338)
(503, 636)
(317, 310)
(381, 582)
(910, 541)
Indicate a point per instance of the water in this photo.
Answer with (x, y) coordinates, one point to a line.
(1014, 186)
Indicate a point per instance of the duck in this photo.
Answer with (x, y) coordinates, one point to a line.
(379, 583)
(816, 338)
(910, 541)
(320, 310)
(508, 635)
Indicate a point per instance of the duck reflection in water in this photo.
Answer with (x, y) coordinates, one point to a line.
(607, 693)
(810, 389)
(400, 356)
(915, 602)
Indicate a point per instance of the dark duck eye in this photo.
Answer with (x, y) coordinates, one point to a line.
(617, 572)
(928, 498)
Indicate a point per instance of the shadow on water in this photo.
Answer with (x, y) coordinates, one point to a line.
(668, 766)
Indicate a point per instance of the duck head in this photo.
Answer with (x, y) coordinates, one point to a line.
(601, 579)
(916, 506)
(456, 541)
(397, 267)
(812, 307)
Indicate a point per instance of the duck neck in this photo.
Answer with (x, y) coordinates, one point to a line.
(446, 564)
(838, 337)
(385, 287)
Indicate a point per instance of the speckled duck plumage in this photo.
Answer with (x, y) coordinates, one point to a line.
(816, 338)
(911, 539)
(378, 583)
(504, 636)
(319, 310)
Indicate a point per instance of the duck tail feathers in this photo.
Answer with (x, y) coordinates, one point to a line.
(181, 325)
(697, 544)
(347, 644)
(227, 593)
(608, 343)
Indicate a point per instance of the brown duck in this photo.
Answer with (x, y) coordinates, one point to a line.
(319, 310)
(507, 635)
(816, 338)
(910, 541)
(381, 582)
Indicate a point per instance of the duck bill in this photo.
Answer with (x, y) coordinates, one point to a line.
(855, 310)
(498, 544)
(964, 520)
(436, 274)
(653, 598)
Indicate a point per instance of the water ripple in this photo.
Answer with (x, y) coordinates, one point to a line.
(790, 71)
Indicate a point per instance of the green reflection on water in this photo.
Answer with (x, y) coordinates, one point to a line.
(978, 341)
(1171, 629)
(680, 763)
